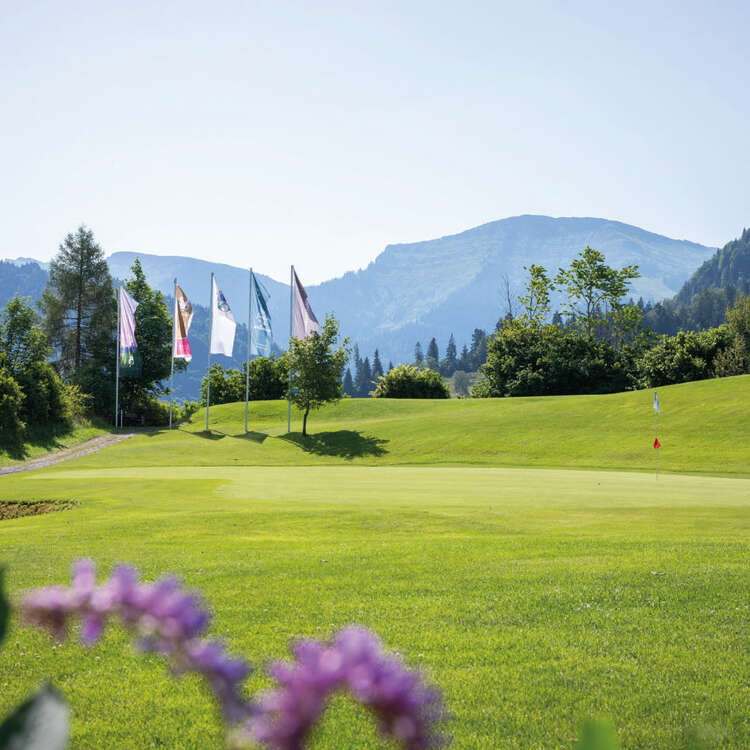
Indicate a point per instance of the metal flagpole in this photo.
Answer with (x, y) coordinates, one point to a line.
(210, 334)
(117, 358)
(171, 371)
(656, 438)
(291, 315)
(249, 343)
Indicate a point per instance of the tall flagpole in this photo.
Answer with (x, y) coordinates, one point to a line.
(210, 334)
(171, 371)
(291, 315)
(117, 358)
(249, 343)
(656, 436)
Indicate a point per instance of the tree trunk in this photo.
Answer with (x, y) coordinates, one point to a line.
(79, 314)
(304, 421)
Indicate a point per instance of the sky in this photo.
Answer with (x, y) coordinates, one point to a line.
(268, 133)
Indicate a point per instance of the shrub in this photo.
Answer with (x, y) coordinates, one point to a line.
(687, 356)
(45, 395)
(535, 360)
(408, 381)
(268, 381)
(11, 404)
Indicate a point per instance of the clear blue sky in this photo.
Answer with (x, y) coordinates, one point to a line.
(264, 133)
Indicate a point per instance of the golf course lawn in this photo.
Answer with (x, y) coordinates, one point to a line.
(534, 597)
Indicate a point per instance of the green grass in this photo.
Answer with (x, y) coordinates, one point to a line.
(704, 428)
(535, 597)
(41, 441)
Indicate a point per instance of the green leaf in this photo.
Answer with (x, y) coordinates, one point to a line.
(4, 607)
(597, 735)
(41, 723)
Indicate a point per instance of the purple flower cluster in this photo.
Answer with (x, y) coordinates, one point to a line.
(165, 617)
(407, 710)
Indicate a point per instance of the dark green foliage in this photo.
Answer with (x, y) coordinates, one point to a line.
(478, 351)
(363, 381)
(450, 362)
(418, 355)
(268, 381)
(377, 366)
(433, 355)
(348, 384)
(547, 360)
(80, 314)
(315, 368)
(735, 359)
(408, 381)
(11, 404)
(689, 355)
(153, 333)
(41, 723)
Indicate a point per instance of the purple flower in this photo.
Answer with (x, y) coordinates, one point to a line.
(407, 710)
(166, 619)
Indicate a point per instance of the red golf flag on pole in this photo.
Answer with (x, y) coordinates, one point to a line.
(657, 444)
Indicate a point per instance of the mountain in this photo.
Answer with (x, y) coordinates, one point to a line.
(412, 292)
(26, 279)
(453, 284)
(730, 266)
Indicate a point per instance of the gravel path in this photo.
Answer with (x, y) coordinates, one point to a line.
(90, 446)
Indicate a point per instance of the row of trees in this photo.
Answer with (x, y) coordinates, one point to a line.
(599, 344)
(471, 358)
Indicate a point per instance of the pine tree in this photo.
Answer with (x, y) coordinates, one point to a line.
(433, 355)
(464, 363)
(348, 385)
(390, 365)
(80, 314)
(450, 364)
(377, 367)
(366, 384)
(478, 350)
(418, 356)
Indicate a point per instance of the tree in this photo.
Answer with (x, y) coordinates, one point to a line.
(449, 365)
(365, 382)
(267, 381)
(433, 355)
(593, 288)
(24, 352)
(153, 333)
(536, 301)
(418, 356)
(11, 401)
(79, 309)
(390, 365)
(478, 349)
(377, 367)
(315, 367)
(409, 381)
(348, 385)
(464, 361)
(735, 359)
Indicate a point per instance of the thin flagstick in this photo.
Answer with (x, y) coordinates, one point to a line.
(171, 371)
(249, 344)
(291, 314)
(656, 437)
(210, 333)
(117, 360)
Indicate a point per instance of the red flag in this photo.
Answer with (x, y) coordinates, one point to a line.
(657, 444)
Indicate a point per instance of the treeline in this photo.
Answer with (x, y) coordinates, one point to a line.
(599, 343)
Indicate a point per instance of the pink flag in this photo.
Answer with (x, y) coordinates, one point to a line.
(304, 320)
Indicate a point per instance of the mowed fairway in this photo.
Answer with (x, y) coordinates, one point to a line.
(535, 597)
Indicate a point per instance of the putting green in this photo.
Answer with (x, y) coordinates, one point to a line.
(534, 597)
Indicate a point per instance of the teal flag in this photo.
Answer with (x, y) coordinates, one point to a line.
(262, 334)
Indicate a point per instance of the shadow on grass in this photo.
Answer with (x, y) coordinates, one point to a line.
(42, 436)
(343, 443)
(256, 437)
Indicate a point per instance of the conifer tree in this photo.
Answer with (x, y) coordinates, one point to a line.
(450, 363)
(433, 355)
(365, 385)
(418, 356)
(377, 367)
(348, 384)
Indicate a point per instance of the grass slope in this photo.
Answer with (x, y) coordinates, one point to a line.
(704, 428)
(42, 441)
(535, 597)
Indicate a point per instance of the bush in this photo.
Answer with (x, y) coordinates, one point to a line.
(11, 404)
(546, 360)
(45, 395)
(408, 381)
(684, 357)
(268, 381)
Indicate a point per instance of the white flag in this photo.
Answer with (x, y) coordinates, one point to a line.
(305, 321)
(222, 329)
(656, 403)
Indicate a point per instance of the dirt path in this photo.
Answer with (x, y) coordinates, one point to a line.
(83, 449)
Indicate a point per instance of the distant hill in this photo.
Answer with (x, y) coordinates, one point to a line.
(448, 285)
(27, 279)
(730, 266)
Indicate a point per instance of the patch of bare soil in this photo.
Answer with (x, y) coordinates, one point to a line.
(32, 508)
